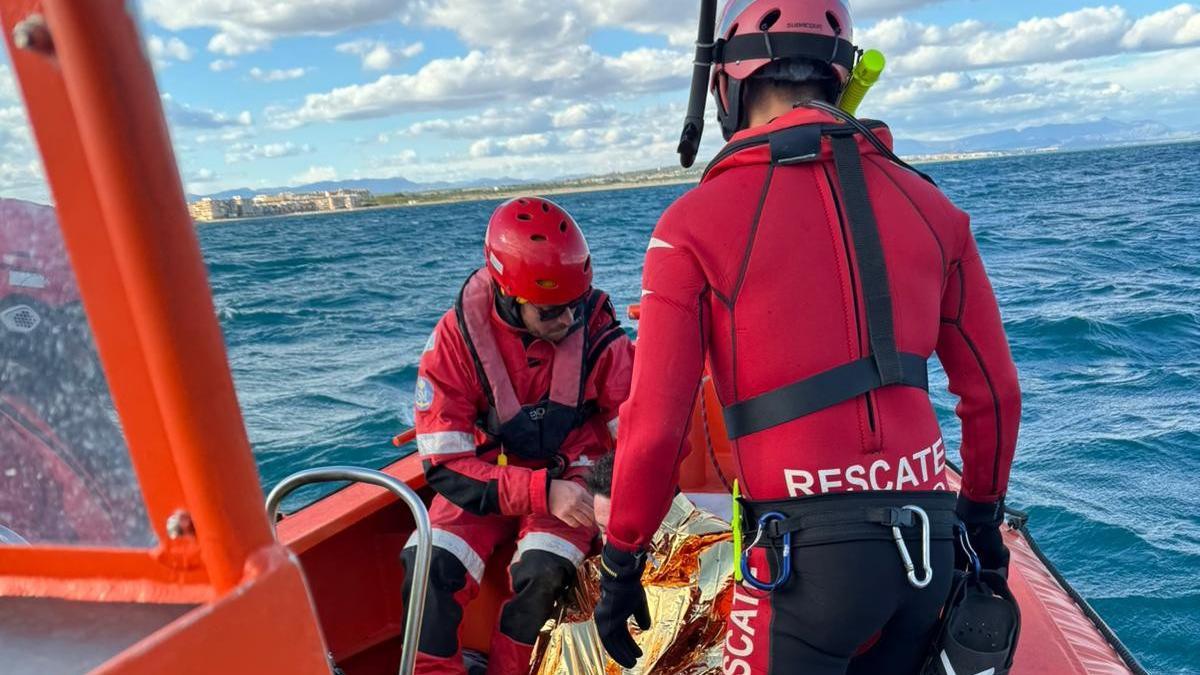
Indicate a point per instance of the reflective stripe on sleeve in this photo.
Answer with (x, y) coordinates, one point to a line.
(445, 443)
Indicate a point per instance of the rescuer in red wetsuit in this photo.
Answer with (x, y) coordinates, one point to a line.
(65, 476)
(517, 395)
(814, 273)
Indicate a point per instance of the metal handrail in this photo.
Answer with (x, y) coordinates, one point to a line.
(420, 573)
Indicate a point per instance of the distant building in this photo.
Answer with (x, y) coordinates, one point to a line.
(207, 209)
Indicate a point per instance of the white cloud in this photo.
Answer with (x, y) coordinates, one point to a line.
(8, 84)
(200, 181)
(869, 9)
(163, 51)
(480, 78)
(581, 115)
(524, 144)
(201, 118)
(528, 24)
(379, 55)
(539, 114)
(675, 19)
(23, 179)
(277, 75)
(202, 176)
(221, 65)
(314, 174)
(644, 140)
(16, 136)
(249, 25)
(917, 48)
(1174, 27)
(245, 152)
(225, 136)
(235, 40)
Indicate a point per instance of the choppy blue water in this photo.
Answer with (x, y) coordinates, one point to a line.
(1093, 255)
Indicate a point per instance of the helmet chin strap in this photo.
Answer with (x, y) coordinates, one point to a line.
(509, 309)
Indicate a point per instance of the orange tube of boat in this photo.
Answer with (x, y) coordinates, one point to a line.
(404, 437)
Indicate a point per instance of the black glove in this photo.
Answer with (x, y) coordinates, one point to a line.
(983, 521)
(621, 596)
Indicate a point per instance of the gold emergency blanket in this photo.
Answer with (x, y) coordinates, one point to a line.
(689, 594)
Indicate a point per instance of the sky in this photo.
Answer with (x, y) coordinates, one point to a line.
(265, 93)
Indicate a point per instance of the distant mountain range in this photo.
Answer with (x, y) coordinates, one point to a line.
(1077, 136)
(377, 186)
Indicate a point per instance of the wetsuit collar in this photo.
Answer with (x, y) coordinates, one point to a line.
(750, 146)
(795, 117)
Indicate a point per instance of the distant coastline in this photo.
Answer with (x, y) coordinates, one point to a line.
(637, 179)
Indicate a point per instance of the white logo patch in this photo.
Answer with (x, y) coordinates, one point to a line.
(26, 279)
(496, 263)
(431, 343)
(423, 399)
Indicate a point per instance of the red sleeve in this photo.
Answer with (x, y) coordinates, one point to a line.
(671, 349)
(973, 349)
(448, 401)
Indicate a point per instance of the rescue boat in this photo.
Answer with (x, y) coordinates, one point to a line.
(215, 591)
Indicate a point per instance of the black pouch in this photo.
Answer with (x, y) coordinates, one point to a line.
(979, 629)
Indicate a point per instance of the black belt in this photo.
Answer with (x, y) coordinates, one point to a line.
(851, 516)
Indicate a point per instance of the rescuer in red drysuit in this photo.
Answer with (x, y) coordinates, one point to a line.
(64, 471)
(510, 415)
(809, 250)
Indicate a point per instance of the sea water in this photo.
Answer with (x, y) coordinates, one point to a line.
(1093, 255)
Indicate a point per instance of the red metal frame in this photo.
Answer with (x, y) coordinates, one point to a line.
(142, 279)
(98, 120)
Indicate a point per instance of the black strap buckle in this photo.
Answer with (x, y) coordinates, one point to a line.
(897, 517)
(795, 144)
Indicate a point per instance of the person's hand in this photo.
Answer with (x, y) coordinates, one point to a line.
(621, 596)
(571, 503)
(983, 521)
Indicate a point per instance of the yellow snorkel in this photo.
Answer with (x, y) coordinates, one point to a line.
(737, 532)
(866, 73)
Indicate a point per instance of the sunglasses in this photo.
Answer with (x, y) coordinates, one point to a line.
(552, 312)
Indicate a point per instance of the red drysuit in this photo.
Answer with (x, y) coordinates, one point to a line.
(480, 503)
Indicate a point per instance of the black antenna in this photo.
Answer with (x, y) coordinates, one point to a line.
(693, 123)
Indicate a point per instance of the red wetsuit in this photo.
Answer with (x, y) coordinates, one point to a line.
(480, 504)
(755, 271)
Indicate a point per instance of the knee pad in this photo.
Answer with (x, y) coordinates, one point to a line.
(539, 579)
(443, 614)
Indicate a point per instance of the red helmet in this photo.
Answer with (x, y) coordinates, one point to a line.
(535, 252)
(754, 33)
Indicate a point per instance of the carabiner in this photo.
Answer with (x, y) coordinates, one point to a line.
(785, 563)
(972, 557)
(913, 579)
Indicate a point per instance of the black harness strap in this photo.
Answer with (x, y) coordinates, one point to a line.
(818, 392)
(751, 46)
(885, 365)
(872, 269)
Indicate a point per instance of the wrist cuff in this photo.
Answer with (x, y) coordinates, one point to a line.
(539, 492)
(980, 513)
(622, 564)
